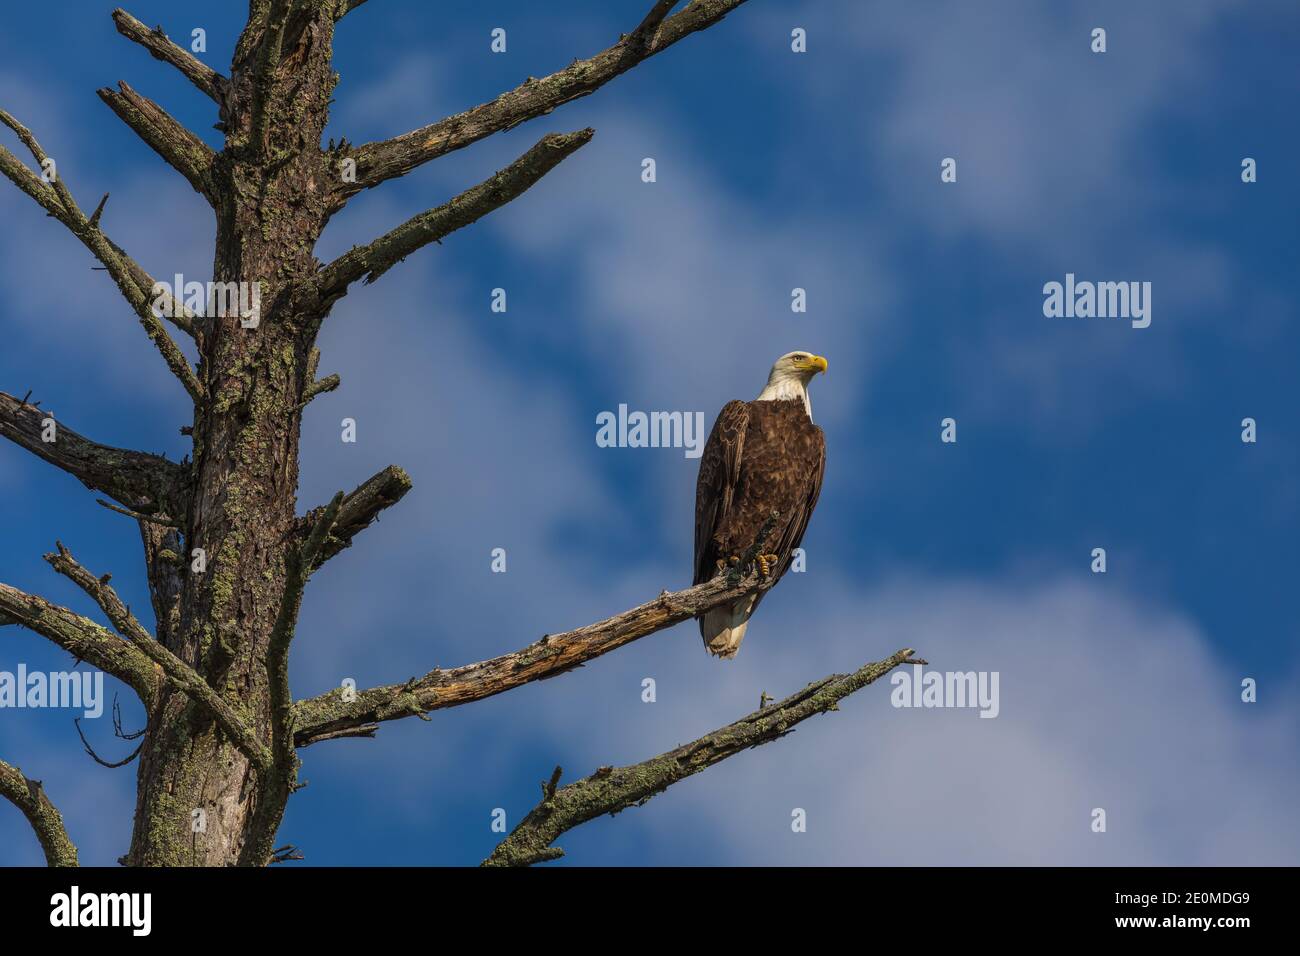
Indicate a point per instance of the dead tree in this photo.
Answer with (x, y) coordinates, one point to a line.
(223, 728)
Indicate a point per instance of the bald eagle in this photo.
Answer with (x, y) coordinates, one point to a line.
(762, 457)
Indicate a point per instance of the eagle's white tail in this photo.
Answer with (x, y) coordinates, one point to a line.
(723, 628)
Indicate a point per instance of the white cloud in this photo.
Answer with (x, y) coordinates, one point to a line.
(1048, 135)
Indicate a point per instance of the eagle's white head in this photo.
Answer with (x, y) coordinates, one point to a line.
(790, 376)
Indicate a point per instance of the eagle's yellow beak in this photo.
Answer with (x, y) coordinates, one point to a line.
(817, 362)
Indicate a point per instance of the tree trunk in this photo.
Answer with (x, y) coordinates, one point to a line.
(271, 209)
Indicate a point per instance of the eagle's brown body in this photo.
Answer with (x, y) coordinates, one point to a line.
(761, 457)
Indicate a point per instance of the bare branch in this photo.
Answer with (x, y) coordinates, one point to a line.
(323, 717)
(83, 638)
(117, 724)
(29, 797)
(180, 148)
(90, 751)
(102, 593)
(61, 200)
(146, 483)
(56, 201)
(344, 7)
(99, 211)
(644, 35)
(161, 48)
(364, 730)
(173, 310)
(177, 672)
(163, 562)
(358, 511)
(286, 854)
(316, 386)
(319, 387)
(431, 226)
(278, 780)
(137, 515)
(611, 789)
(302, 561)
(380, 161)
(129, 277)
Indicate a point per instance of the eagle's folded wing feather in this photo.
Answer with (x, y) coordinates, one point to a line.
(716, 487)
(793, 534)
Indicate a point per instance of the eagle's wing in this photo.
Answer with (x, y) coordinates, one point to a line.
(716, 486)
(792, 536)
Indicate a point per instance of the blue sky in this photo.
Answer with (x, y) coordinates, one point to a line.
(775, 170)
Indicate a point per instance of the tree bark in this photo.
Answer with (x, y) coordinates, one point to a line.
(270, 211)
